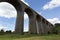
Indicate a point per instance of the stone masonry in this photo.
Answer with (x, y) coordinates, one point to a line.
(37, 24)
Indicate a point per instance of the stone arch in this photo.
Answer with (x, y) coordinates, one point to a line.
(38, 17)
(32, 20)
(20, 14)
(15, 3)
(29, 12)
(9, 14)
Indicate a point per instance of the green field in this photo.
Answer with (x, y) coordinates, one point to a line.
(30, 37)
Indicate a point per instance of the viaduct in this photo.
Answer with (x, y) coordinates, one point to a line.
(37, 24)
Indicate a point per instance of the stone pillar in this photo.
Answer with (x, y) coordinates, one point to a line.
(46, 27)
(38, 23)
(39, 28)
(19, 22)
(50, 27)
(32, 24)
(42, 27)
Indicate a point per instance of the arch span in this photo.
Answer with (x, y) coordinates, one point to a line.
(32, 21)
(20, 14)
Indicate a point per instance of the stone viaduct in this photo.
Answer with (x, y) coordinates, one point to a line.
(37, 24)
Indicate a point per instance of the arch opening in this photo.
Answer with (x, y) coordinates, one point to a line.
(26, 22)
(29, 13)
(8, 15)
(30, 16)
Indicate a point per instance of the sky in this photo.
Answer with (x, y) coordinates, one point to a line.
(49, 9)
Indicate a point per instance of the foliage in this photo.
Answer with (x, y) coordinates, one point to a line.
(56, 29)
(29, 37)
(1, 32)
(8, 31)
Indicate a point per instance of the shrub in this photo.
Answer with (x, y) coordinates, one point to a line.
(2, 32)
(8, 31)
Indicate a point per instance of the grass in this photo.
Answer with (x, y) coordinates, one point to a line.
(30, 37)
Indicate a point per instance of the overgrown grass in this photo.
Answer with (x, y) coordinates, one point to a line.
(30, 37)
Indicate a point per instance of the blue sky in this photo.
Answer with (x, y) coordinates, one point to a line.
(49, 9)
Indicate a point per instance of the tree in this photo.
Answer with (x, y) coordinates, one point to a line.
(8, 31)
(2, 31)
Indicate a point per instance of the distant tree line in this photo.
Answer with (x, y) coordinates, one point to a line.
(55, 30)
(5, 32)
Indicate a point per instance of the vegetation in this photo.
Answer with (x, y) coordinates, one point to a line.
(29, 37)
(52, 35)
(3, 33)
(56, 30)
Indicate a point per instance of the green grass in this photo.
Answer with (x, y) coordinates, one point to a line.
(30, 37)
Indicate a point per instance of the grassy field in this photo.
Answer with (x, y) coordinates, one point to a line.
(30, 37)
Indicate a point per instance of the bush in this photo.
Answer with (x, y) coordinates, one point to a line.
(49, 32)
(2, 32)
(8, 31)
(55, 31)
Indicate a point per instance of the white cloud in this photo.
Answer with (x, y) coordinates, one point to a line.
(25, 2)
(7, 10)
(5, 28)
(2, 27)
(54, 20)
(52, 4)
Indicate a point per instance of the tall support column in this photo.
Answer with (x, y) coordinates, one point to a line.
(49, 26)
(32, 24)
(38, 23)
(42, 25)
(19, 22)
(39, 28)
(46, 28)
